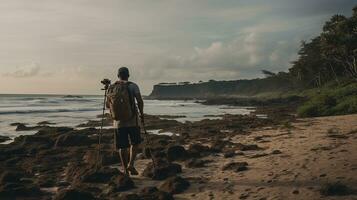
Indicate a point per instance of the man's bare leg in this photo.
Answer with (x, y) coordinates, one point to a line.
(133, 152)
(124, 159)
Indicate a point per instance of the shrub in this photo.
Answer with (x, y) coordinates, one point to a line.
(331, 101)
(346, 106)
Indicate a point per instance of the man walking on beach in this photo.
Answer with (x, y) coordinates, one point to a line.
(121, 102)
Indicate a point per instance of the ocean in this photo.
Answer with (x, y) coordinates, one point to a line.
(73, 110)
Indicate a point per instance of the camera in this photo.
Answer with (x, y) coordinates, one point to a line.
(106, 82)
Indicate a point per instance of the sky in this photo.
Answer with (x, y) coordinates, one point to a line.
(67, 47)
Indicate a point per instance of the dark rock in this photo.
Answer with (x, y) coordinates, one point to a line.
(248, 147)
(46, 182)
(125, 196)
(121, 183)
(96, 123)
(106, 158)
(45, 123)
(258, 155)
(35, 142)
(101, 175)
(159, 144)
(236, 166)
(29, 144)
(161, 170)
(196, 163)
(78, 173)
(229, 154)
(174, 185)
(22, 127)
(53, 131)
(4, 138)
(74, 194)
(221, 145)
(11, 177)
(148, 190)
(276, 152)
(19, 191)
(198, 150)
(152, 193)
(176, 153)
(258, 138)
(336, 189)
(73, 139)
(17, 123)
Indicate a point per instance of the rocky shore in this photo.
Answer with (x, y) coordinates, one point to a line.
(235, 157)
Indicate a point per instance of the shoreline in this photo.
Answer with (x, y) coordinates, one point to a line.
(237, 148)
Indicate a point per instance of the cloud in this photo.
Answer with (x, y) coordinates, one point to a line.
(25, 71)
(84, 41)
(243, 57)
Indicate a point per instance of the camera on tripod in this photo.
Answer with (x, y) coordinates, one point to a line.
(106, 82)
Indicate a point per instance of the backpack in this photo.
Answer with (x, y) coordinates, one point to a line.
(120, 100)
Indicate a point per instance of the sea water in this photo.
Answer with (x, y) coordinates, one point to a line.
(73, 110)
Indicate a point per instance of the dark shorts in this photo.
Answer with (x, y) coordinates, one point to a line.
(126, 136)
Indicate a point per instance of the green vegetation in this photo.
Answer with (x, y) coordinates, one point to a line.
(330, 100)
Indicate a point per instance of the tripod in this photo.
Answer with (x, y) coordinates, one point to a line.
(148, 141)
(99, 160)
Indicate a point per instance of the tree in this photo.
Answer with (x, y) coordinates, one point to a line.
(339, 43)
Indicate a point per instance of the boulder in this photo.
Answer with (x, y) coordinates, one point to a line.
(74, 194)
(221, 145)
(34, 142)
(127, 196)
(17, 123)
(73, 139)
(19, 191)
(22, 127)
(199, 150)
(196, 163)
(236, 166)
(106, 158)
(101, 175)
(174, 185)
(230, 154)
(11, 177)
(276, 152)
(79, 173)
(248, 147)
(149, 193)
(176, 153)
(121, 183)
(45, 123)
(4, 138)
(161, 170)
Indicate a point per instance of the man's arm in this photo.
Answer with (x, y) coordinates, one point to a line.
(140, 101)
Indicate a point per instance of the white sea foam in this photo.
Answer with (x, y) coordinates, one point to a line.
(71, 111)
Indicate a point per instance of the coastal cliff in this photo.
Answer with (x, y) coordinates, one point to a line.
(212, 88)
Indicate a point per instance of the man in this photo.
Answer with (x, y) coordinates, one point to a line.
(127, 132)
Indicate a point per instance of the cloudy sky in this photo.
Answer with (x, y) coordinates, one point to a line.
(67, 47)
